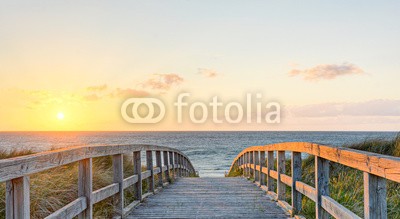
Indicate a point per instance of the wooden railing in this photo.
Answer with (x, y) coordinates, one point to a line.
(259, 162)
(15, 172)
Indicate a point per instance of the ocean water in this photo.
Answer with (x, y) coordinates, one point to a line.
(210, 152)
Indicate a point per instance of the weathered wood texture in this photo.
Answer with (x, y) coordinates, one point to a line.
(209, 198)
(25, 165)
(15, 171)
(377, 170)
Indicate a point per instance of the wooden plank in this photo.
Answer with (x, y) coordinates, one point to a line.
(306, 190)
(105, 192)
(321, 185)
(287, 180)
(274, 174)
(227, 197)
(130, 181)
(149, 164)
(157, 170)
(281, 187)
(159, 166)
(337, 210)
(18, 198)
(270, 167)
(118, 177)
(375, 204)
(288, 208)
(85, 181)
(146, 174)
(262, 167)
(296, 176)
(137, 170)
(69, 211)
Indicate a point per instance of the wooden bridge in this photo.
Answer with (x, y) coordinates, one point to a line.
(193, 197)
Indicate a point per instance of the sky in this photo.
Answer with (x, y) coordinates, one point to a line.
(331, 65)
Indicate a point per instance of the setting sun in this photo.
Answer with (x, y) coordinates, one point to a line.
(60, 116)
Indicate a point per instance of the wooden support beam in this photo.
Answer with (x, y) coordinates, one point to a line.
(118, 177)
(167, 172)
(149, 164)
(281, 169)
(296, 176)
(375, 204)
(251, 164)
(321, 185)
(85, 189)
(171, 162)
(17, 198)
(262, 166)
(159, 164)
(270, 166)
(137, 170)
(256, 162)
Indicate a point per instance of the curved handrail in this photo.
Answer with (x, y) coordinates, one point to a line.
(376, 167)
(15, 172)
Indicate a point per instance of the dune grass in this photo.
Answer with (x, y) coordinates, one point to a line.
(346, 184)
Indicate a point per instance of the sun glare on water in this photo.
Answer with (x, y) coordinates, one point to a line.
(60, 116)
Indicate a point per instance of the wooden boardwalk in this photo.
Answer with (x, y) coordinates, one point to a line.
(209, 198)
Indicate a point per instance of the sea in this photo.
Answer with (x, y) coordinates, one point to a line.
(210, 152)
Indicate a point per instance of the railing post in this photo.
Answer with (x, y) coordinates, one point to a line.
(245, 164)
(171, 162)
(137, 169)
(159, 165)
(296, 176)
(186, 167)
(375, 204)
(85, 189)
(181, 165)
(262, 166)
(149, 162)
(281, 169)
(256, 162)
(251, 165)
(248, 165)
(321, 185)
(167, 172)
(118, 177)
(17, 198)
(270, 166)
(176, 160)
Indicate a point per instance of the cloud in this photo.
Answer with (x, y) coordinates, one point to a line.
(91, 97)
(327, 72)
(163, 81)
(128, 92)
(97, 88)
(208, 73)
(378, 107)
